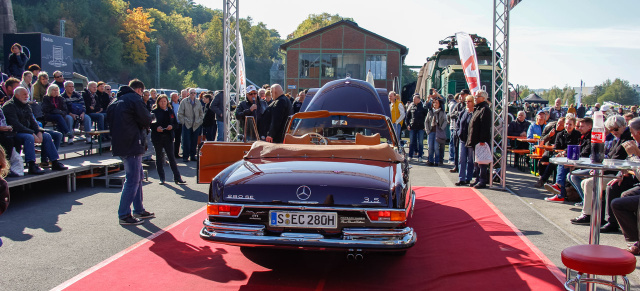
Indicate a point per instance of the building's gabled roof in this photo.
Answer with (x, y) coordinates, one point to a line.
(403, 49)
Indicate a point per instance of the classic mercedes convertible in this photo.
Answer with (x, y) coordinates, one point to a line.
(340, 180)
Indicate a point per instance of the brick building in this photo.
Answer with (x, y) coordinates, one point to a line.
(339, 50)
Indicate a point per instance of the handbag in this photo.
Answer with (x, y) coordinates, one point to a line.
(77, 108)
(441, 137)
(17, 165)
(483, 154)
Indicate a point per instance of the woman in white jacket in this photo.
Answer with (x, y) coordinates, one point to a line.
(434, 126)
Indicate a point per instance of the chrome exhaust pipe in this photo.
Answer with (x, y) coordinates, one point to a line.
(359, 257)
(350, 257)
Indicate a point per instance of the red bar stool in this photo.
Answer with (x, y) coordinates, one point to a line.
(598, 260)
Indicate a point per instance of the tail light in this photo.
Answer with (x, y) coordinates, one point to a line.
(224, 210)
(387, 215)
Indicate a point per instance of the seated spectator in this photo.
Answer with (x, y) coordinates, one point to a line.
(55, 110)
(104, 96)
(7, 140)
(625, 208)
(568, 136)
(584, 127)
(519, 127)
(93, 106)
(618, 127)
(76, 108)
(27, 77)
(548, 138)
(35, 70)
(628, 117)
(20, 118)
(6, 90)
(40, 87)
(536, 128)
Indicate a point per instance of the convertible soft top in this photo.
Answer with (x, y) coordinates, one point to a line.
(380, 152)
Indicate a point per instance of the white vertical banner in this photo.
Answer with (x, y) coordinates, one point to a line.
(469, 60)
(579, 99)
(242, 74)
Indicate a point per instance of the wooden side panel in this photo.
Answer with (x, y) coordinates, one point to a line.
(216, 156)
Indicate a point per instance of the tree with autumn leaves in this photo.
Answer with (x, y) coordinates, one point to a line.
(135, 28)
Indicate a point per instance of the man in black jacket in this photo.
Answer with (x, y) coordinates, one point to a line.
(217, 107)
(455, 110)
(20, 117)
(416, 114)
(480, 133)
(280, 110)
(253, 107)
(93, 105)
(129, 119)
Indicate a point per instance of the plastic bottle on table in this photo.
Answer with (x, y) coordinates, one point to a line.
(597, 138)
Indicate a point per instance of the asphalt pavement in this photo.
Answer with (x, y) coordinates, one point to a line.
(49, 236)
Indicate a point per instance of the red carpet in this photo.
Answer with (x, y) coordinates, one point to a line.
(464, 243)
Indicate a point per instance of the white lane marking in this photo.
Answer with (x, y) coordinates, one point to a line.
(444, 178)
(123, 252)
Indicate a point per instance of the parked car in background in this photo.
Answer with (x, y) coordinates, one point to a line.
(166, 91)
(340, 180)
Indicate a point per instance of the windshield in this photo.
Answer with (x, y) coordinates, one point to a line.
(448, 60)
(341, 128)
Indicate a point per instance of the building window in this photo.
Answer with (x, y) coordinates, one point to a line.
(335, 66)
(377, 64)
(329, 65)
(351, 65)
(309, 65)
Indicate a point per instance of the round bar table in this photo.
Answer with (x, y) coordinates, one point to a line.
(598, 169)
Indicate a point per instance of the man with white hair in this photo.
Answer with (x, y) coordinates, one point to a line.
(76, 108)
(480, 134)
(94, 106)
(20, 117)
(519, 126)
(280, 109)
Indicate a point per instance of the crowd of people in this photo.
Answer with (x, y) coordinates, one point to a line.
(560, 128)
(466, 116)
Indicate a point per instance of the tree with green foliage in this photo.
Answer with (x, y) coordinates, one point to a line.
(315, 22)
(620, 91)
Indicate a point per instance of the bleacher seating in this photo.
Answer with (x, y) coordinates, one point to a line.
(80, 158)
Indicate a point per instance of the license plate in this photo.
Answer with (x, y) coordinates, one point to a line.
(303, 219)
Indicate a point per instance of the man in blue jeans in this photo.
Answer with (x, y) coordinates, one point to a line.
(19, 116)
(129, 118)
(217, 107)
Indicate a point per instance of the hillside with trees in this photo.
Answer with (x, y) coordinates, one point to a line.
(120, 38)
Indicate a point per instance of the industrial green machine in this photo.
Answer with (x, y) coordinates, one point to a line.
(443, 71)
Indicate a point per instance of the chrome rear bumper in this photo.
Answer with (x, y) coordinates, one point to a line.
(372, 239)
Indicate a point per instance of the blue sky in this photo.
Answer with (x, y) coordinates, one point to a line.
(555, 42)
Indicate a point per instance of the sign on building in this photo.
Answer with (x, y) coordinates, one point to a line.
(52, 53)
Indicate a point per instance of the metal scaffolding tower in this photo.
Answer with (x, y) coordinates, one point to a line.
(500, 83)
(231, 33)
